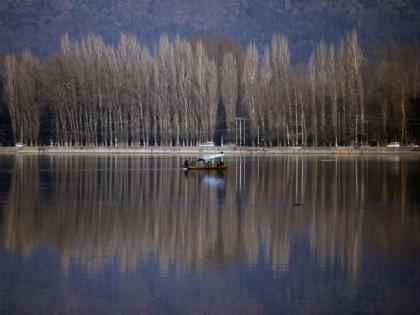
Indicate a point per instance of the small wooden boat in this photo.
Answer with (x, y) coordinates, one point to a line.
(211, 162)
(206, 167)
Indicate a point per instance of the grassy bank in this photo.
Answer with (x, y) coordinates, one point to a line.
(199, 150)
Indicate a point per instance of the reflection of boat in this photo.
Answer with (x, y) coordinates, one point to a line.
(211, 162)
(214, 181)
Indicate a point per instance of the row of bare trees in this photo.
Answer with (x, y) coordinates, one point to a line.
(92, 93)
(22, 95)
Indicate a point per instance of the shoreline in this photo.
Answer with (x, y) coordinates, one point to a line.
(231, 150)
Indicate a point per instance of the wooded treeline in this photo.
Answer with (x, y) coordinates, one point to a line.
(183, 93)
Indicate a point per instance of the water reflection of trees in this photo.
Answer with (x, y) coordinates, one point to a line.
(130, 209)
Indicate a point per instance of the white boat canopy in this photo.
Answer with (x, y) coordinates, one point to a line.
(211, 157)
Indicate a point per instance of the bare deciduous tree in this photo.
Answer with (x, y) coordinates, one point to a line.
(249, 87)
(229, 90)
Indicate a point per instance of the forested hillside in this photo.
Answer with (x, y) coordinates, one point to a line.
(39, 24)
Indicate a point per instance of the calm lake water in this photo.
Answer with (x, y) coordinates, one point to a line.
(134, 234)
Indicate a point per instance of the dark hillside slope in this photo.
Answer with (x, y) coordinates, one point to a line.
(38, 24)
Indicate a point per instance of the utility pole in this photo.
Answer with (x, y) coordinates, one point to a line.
(244, 142)
(355, 130)
(236, 132)
(242, 133)
(258, 136)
